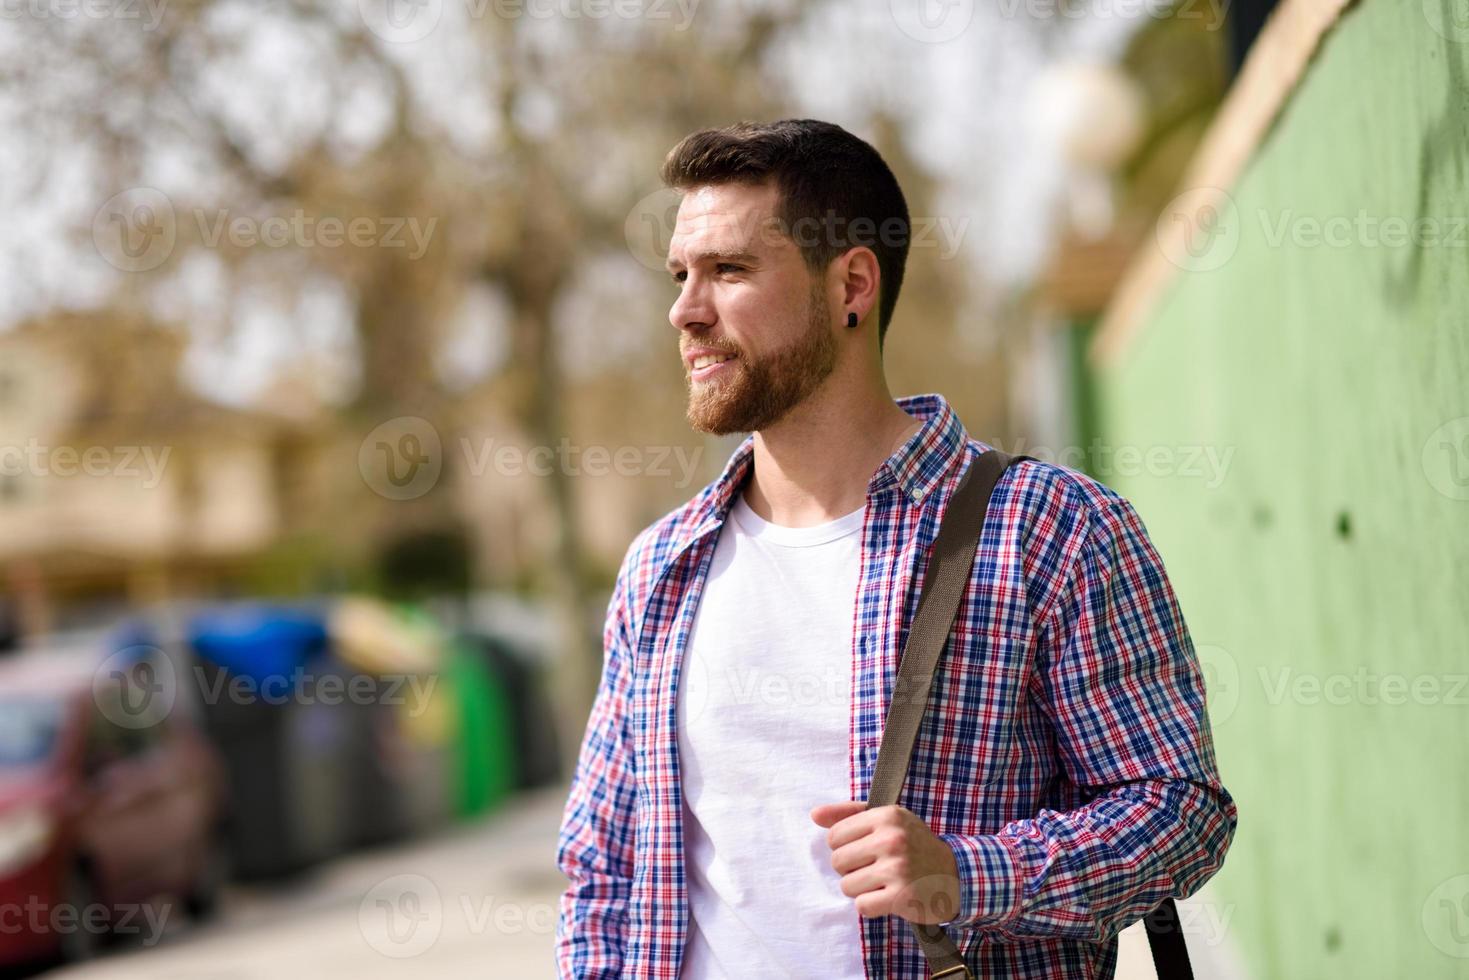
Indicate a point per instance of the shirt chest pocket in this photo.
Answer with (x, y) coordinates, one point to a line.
(972, 733)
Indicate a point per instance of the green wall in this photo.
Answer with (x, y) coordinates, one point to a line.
(1325, 577)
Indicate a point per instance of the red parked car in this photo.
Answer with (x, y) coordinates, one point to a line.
(109, 821)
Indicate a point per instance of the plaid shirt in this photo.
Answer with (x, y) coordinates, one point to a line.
(1065, 755)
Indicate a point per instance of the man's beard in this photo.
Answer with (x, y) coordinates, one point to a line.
(755, 394)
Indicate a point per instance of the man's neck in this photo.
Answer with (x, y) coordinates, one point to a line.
(815, 464)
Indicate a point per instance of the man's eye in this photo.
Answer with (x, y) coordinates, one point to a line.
(722, 269)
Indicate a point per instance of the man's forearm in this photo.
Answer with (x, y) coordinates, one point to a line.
(596, 851)
(591, 930)
(596, 845)
(1089, 872)
(595, 854)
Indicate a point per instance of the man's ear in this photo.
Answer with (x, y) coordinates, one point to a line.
(860, 279)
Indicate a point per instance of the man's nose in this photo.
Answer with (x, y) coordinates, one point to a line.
(693, 310)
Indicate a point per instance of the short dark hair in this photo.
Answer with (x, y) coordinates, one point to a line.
(821, 172)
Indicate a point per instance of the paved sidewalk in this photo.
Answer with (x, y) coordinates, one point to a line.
(476, 901)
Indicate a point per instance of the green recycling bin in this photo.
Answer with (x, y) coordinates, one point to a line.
(485, 750)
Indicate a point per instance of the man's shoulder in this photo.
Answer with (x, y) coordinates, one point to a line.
(1059, 513)
(656, 545)
(1059, 495)
(1061, 518)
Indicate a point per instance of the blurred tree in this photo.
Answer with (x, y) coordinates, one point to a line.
(519, 145)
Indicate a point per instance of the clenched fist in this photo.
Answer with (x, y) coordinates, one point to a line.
(890, 862)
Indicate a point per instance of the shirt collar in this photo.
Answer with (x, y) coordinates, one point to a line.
(915, 468)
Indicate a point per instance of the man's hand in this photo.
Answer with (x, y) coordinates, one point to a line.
(890, 862)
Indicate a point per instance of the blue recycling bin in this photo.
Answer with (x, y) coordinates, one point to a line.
(265, 686)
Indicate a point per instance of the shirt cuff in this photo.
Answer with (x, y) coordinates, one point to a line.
(990, 883)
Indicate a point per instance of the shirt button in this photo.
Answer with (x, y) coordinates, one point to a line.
(917, 495)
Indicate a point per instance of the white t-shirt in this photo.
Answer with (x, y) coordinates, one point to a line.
(763, 719)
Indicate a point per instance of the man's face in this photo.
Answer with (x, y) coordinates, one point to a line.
(747, 299)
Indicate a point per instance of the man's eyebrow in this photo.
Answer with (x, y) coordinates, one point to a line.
(735, 254)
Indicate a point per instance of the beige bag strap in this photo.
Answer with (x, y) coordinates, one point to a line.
(949, 566)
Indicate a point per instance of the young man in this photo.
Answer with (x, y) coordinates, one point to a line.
(1063, 782)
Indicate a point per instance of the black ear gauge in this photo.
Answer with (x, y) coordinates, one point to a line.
(851, 321)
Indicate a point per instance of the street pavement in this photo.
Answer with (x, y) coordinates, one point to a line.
(475, 901)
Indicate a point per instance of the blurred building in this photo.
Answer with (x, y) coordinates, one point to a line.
(1127, 132)
(118, 482)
